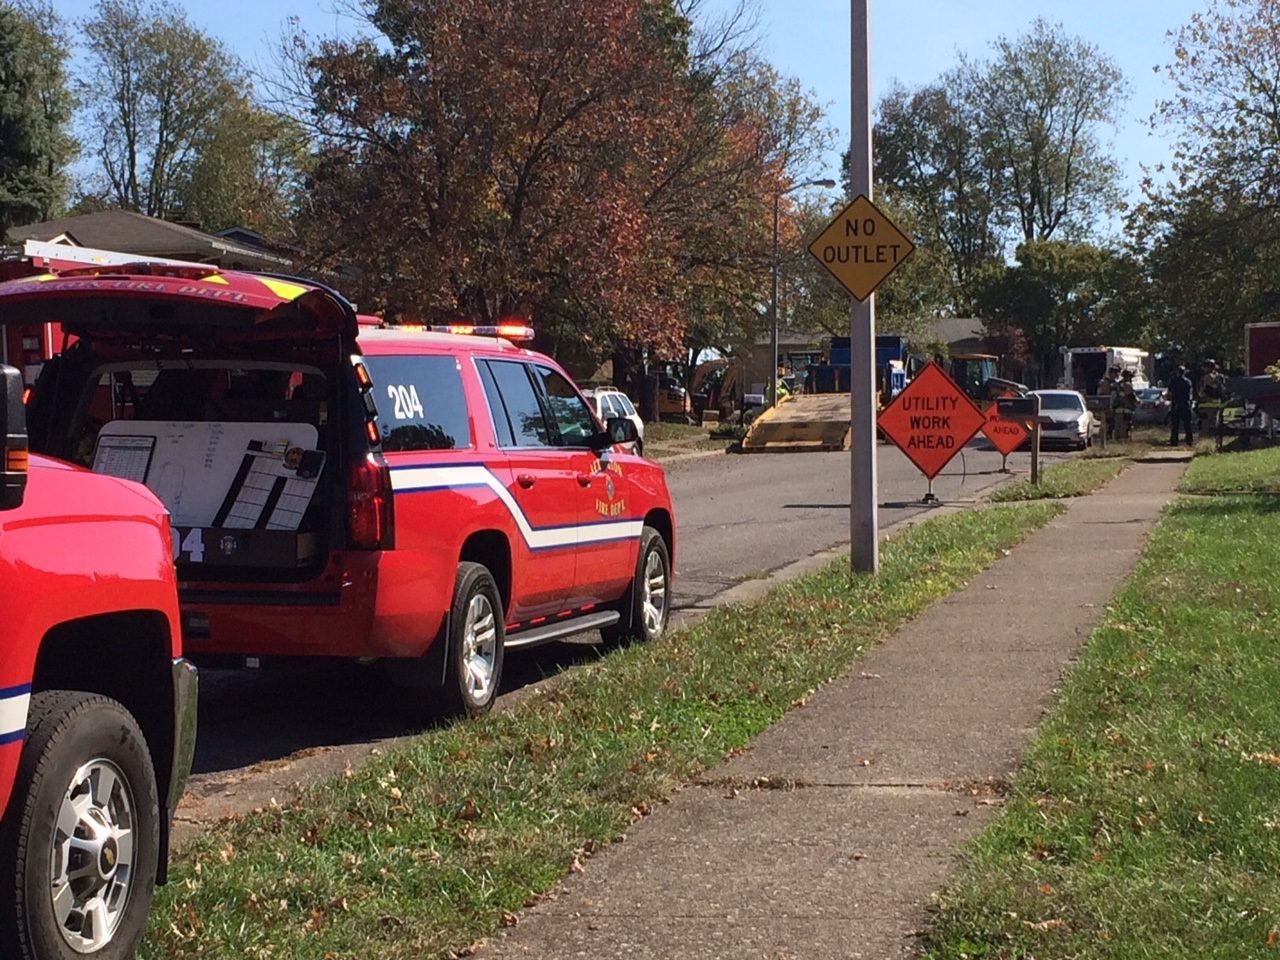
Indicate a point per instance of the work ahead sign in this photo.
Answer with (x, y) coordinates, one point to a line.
(931, 420)
(860, 247)
(1005, 433)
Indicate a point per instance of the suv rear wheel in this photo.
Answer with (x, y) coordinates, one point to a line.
(80, 841)
(476, 639)
(646, 606)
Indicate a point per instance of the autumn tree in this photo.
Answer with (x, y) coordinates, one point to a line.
(35, 113)
(601, 166)
(763, 139)
(248, 168)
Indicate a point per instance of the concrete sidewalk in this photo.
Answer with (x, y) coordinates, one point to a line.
(884, 773)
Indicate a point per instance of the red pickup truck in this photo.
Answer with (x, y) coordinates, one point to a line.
(97, 705)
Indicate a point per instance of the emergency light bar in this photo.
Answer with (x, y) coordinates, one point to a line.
(519, 332)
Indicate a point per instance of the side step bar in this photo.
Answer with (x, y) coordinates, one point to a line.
(562, 628)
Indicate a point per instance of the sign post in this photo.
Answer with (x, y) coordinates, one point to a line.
(1026, 410)
(930, 421)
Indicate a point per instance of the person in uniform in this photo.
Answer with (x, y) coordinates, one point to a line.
(1107, 388)
(1181, 396)
(1125, 404)
(1211, 396)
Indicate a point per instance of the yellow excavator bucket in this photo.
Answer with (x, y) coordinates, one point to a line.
(807, 422)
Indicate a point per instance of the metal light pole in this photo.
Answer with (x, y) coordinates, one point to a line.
(773, 297)
(863, 522)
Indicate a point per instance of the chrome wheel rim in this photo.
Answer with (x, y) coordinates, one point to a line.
(92, 856)
(654, 597)
(479, 648)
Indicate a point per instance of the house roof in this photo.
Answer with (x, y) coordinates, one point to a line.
(128, 232)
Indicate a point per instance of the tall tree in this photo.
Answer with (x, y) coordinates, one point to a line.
(933, 160)
(596, 164)
(1043, 101)
(1210, 227)
(157, 87)
(35, 112)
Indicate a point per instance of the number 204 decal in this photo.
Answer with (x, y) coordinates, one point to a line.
(406, 405)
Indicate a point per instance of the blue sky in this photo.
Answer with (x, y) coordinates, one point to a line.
(911, 40)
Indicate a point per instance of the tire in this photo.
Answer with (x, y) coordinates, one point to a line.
(476, 637)
(639, 448)
(644, 616)
(84, 766)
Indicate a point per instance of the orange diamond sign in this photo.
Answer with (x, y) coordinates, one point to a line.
(860, 247)
(931, 420)
(1005, 435)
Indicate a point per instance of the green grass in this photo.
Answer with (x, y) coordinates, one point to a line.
(665, 431)
(1253, 471)
(1145, 822)
(1072, 478)
(435, 845)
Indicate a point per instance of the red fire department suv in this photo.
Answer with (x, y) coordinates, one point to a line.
(97, 707)
(340, 489)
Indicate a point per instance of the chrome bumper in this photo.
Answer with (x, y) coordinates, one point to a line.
(184, 729)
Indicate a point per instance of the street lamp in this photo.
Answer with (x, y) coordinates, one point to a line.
(773, 298)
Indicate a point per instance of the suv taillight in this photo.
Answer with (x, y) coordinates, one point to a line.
(369, 504)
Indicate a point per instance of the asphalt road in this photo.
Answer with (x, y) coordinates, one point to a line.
(738, 517)
(744, 516)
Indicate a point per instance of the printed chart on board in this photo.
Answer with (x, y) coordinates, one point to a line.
(209, 474)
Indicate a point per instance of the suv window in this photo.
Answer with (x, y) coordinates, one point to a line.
(514, 400)
(420, 401)
(608, 406)
(573, 421)
(624, 404)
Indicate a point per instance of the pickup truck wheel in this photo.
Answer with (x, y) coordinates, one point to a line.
(79, 843)
(646, 605)
(476, 638)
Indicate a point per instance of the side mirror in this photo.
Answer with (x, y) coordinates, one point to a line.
(622, 430)
(13, 439)
(616, 430)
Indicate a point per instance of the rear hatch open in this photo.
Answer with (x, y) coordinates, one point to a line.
(221, 391)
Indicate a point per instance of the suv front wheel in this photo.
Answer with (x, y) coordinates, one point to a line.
(79, 844)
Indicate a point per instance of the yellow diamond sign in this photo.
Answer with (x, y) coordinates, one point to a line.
(860, 247)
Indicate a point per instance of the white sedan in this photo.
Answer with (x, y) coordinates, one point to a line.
(1072, 423)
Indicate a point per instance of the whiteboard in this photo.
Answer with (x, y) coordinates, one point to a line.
(194, 466)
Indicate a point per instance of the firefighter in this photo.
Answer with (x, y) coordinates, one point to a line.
(1124, 404)
(1107, 388)
(1181, 400)
(1211, 396)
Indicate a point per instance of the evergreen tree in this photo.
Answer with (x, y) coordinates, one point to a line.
(35, 110)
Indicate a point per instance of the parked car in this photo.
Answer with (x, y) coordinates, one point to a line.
(1072, 423)
(607, 402)
(340, 488)
(1153, 407)
(97, 706)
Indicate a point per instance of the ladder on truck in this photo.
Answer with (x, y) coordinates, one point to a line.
(48, 254)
